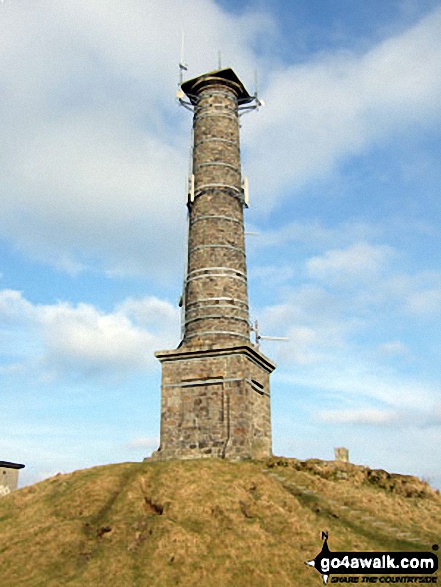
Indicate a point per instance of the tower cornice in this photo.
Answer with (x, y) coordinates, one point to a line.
(225, 77)
(186, 353)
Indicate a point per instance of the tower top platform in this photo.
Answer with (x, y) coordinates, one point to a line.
(226, 76)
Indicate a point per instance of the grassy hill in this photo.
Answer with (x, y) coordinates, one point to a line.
(206, 523)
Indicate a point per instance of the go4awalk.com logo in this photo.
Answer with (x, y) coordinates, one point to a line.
(410, 567)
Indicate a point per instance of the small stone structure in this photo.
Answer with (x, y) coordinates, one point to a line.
(215, 385)
(8, 477)
(341, 454)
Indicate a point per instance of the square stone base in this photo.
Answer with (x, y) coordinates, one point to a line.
(215, 403)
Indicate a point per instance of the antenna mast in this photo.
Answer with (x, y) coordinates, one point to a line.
(259, 337)
(255, 103)
(182, 65)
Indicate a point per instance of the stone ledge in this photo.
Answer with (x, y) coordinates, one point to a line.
(186, 353)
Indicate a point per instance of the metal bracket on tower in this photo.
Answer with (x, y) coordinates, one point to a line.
(185, 103)
(254, 327)
(246, 192)
(183, 66)
(255, 103)
(190, 190)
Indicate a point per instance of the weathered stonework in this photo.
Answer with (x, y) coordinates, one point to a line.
(341, 454)
(215, 403)
(215, 385)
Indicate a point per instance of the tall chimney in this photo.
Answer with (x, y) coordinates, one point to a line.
(215, 385)
(216, 297)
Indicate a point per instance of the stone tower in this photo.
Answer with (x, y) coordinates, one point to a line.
(215, 385)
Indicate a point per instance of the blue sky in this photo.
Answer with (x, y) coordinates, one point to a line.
(343, 165)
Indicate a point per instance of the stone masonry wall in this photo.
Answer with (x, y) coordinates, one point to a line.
(8, 480)
(216, 299)
(215, 406)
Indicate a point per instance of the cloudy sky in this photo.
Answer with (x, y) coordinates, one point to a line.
(344, 170)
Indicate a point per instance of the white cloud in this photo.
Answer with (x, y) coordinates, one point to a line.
(95, 151)
(314, 339)
(149, 312)
(273, 275)
(97, 194)
(332, 349)
(418, 293)
(13, 306)
(432, 419)
(425, 303)
(361, 416)
(359, 261)
(346, 374)
(316, 234)
(320, 113)
(416, 418)
(144, 443)
(393, 348)
(12, 368)
(307, 303)
(302, 345)
(82, 340)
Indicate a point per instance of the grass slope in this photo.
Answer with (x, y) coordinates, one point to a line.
(206, 523)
